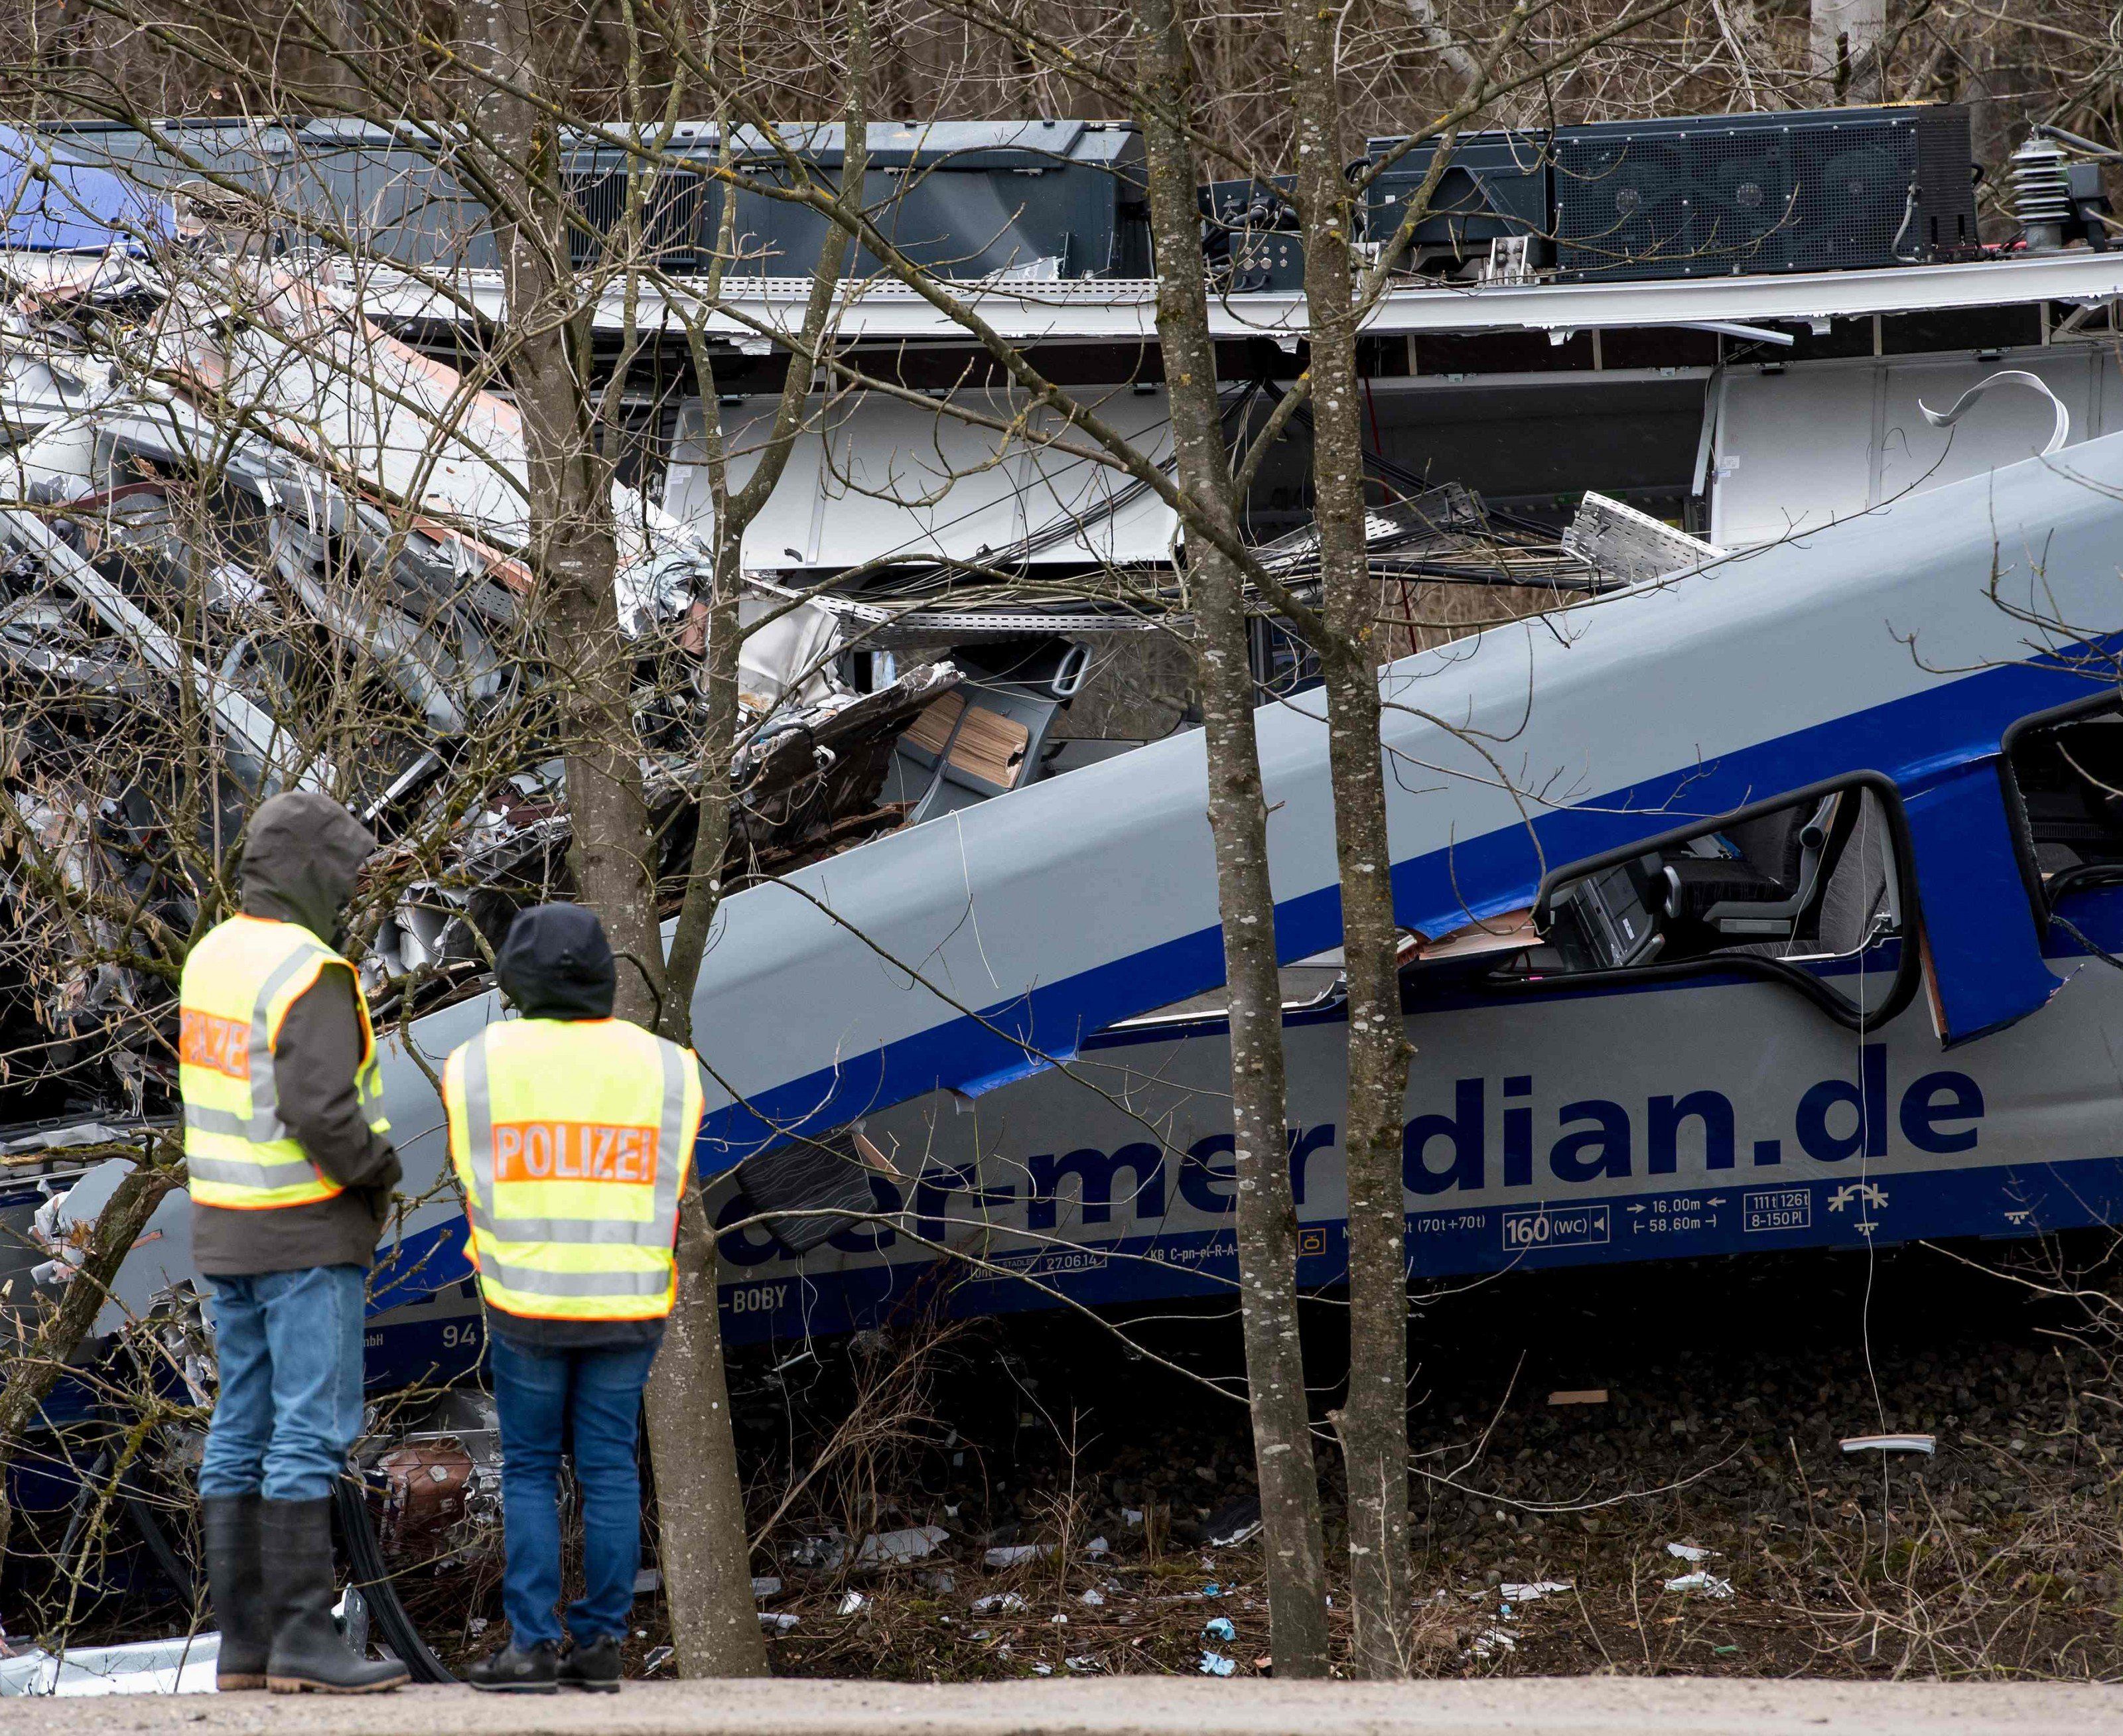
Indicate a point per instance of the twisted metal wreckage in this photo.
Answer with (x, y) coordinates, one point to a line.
(1700, 873)
(223, 477)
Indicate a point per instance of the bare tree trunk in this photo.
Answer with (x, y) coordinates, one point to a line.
(1452, 53)
(719, 728)
(1266, 1216)
(900, 77)
(1845, 40)
(706, 1552)
(37, 1366)
(1373, 1424)
(347, 21)
(574, 549)
(707, 1559)
(704, 1545)
(733, 513)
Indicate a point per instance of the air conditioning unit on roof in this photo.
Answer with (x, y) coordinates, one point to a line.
(1058, 198)
(1739, 194)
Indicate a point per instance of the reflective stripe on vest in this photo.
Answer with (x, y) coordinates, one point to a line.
(562, 1132)
(238, 986)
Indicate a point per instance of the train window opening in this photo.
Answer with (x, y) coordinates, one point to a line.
(2066, 775)
(1810, 889)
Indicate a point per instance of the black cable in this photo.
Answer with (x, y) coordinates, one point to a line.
(84, 1499)
(2106, 153)
(2084, 877)
(1388, 564)
(373, 1579)
(2081, 876)
(1385, 469)
(149, 1524)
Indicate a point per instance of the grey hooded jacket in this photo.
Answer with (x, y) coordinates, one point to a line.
(299, 863)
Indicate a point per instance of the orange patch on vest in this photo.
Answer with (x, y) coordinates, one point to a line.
(219, 1045)
(573, 1151)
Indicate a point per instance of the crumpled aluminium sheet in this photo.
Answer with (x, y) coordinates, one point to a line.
(210, 469)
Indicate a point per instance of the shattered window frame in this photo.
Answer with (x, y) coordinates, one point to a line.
(1909, 967)
(2047, 889)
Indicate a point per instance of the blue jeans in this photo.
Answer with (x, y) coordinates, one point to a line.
(595, 1395)
(289, 1347)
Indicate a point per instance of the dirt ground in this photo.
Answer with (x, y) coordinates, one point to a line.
(1699, 1520)
(1612, 1707)
(1702, 1519)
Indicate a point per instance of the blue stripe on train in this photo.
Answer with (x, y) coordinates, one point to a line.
(1925, 741)
(1845, 1211)
(1848, 1210)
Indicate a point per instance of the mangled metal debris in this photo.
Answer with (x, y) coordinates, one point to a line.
(183, 1665)
(240, 502)
(249, 541)
(1448, 535)
(264, 544)
(1625, 545)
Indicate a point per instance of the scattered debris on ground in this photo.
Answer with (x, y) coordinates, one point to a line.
(997, 1505)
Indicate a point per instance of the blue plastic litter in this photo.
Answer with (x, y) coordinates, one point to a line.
(1221, 1629)
(1216, 1663)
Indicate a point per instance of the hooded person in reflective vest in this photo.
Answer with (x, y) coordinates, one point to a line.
(291, 1169)
(572, 1135)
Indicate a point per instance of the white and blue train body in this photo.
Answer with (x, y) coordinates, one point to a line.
(1763, 904)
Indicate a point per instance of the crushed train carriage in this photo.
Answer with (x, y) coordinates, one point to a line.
(1760, 904)
(1757, 897)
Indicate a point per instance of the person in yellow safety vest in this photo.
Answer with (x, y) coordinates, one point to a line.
(291, 1169)
(572, 1135)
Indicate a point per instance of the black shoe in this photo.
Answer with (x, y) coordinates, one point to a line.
(308, 1656)
(513, 1671)
(592, 1665)
(236, 1583)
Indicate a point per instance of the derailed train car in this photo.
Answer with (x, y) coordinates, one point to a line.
(1768, 905)
(1765, 904)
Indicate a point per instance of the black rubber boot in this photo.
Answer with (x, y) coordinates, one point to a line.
(592, 1665)
(234, 1578)
(308, 1654)
(512, 1671)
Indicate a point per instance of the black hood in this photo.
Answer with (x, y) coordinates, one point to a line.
(557, 964)
(300, 858)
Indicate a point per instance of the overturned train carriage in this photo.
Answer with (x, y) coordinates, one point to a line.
(1765, 904)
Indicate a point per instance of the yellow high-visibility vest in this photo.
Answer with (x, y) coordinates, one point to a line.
(572, 1139)
(238, 984)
